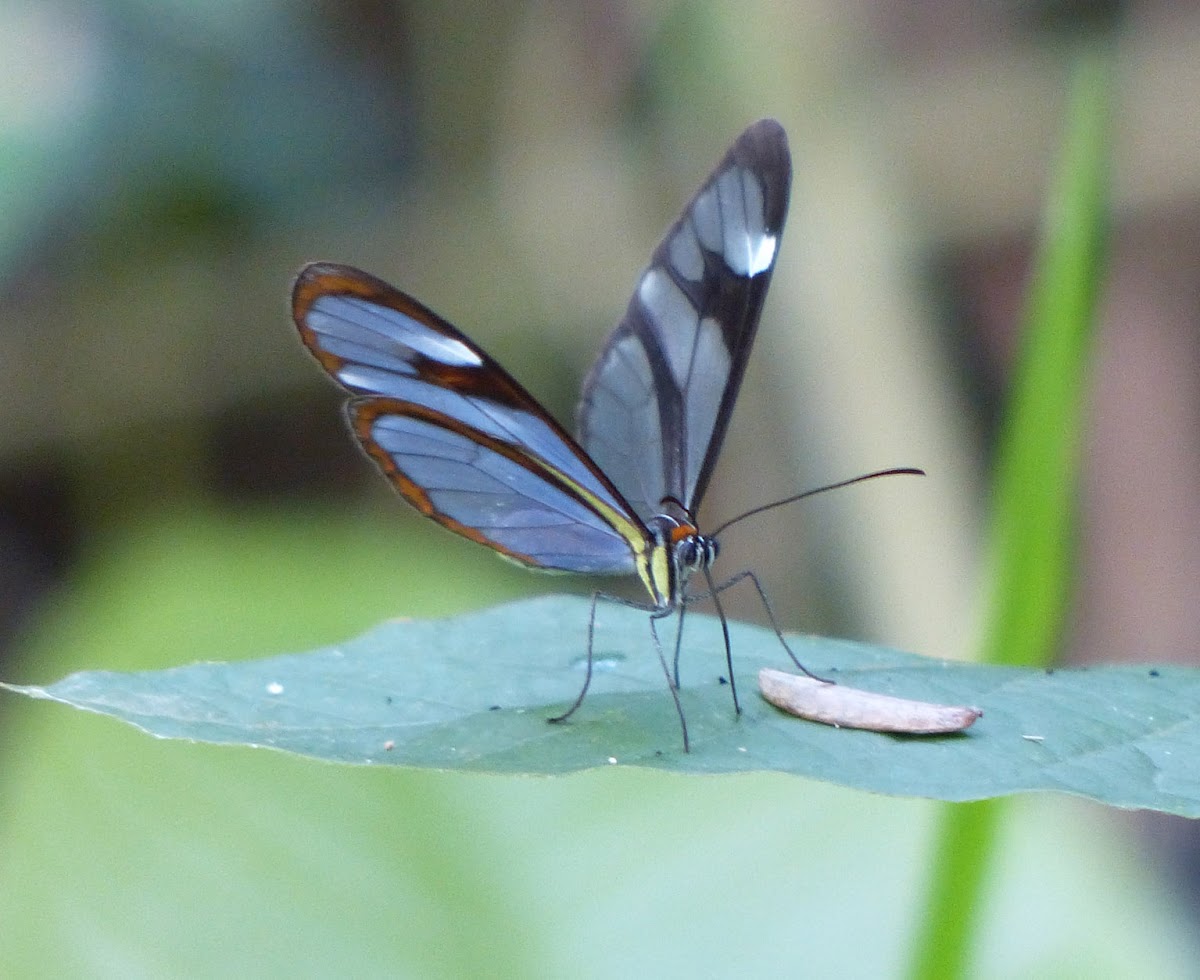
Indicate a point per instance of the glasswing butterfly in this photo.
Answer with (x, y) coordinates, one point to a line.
(467, 446)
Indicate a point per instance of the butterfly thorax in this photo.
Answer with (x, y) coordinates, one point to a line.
(677, 550)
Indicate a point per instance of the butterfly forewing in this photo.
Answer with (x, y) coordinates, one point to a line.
(657, 402)
(457, 436)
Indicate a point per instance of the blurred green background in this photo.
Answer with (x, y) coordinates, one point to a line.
(176, 484)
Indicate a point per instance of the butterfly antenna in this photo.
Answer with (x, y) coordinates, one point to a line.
(896, 471)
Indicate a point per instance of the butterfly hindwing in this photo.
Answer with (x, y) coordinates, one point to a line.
(456, 435)
(657, 402)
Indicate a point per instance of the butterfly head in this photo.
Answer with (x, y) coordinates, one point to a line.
(677, 550)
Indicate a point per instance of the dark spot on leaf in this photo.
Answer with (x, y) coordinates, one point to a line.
(1153, 672)
(722, 680)
(494, 707)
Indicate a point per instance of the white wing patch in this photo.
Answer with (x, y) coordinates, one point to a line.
(729, 220)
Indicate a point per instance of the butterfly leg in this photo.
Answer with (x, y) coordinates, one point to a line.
(673, 685)
(762, 595)
(591, 635)
(679, 641)
(713, 592)
(587, 678)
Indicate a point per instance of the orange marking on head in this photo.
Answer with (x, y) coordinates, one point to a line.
(682, 532)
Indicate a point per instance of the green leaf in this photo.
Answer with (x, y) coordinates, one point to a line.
(474, 693)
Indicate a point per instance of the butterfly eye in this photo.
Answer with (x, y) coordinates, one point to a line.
(687, 553)
(696, 552)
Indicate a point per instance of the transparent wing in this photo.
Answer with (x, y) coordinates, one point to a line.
(657, 402)
(457, 436)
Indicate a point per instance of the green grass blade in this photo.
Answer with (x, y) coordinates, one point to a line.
(1036, 483)
(1037, 468)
